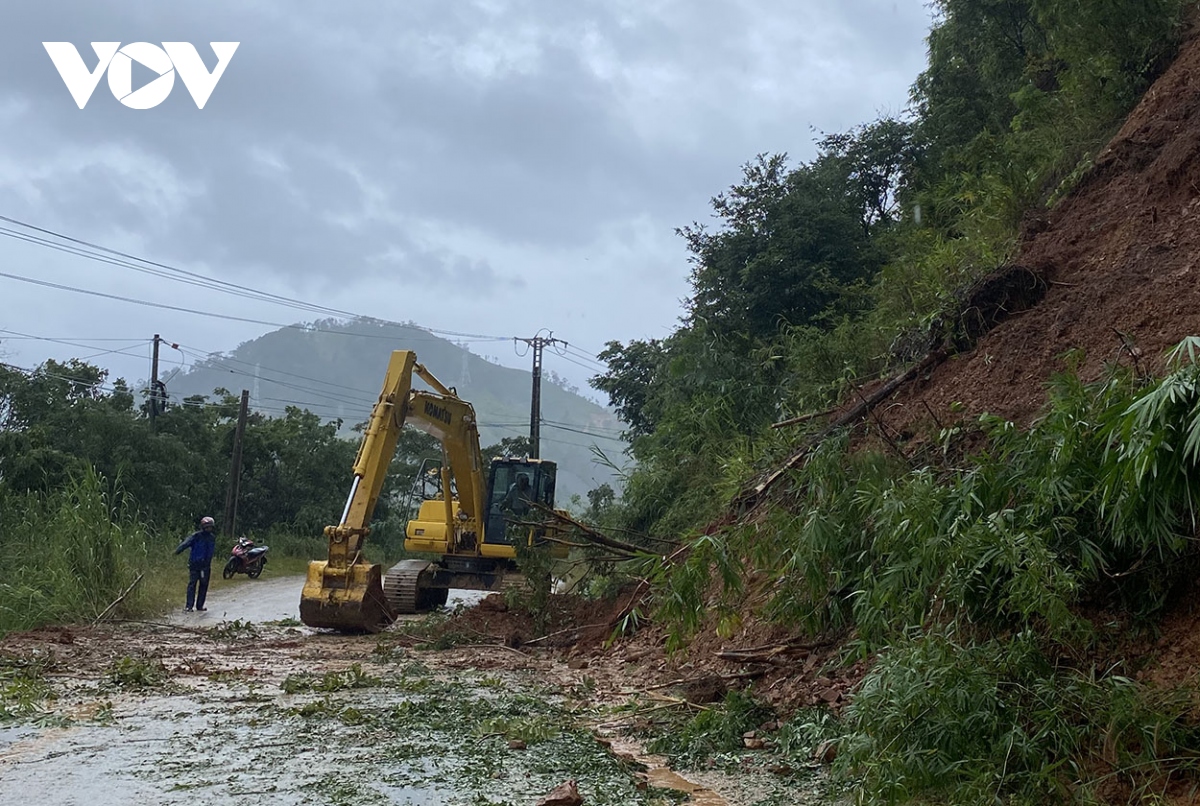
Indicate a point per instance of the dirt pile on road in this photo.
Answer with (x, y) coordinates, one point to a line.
(597, 638)
(1121, 261)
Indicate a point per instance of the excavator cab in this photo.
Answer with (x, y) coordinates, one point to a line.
(518, 495)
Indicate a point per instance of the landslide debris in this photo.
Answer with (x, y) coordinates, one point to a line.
(1119, 262)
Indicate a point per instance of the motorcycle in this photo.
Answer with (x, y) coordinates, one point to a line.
(246, 558)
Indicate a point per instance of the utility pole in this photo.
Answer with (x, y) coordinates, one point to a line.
(154, 381)
(538, 342)
(235, 469)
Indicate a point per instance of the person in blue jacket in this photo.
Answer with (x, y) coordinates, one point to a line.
(203, 545)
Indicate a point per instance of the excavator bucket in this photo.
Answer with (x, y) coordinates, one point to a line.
(347, 599)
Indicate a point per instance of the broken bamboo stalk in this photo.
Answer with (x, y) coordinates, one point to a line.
(749, 498)
(803, 418)
(119, 599)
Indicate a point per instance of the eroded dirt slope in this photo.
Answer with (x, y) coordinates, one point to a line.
(1122, 253)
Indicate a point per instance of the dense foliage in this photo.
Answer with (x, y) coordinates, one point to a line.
(64, 421)
(968, 574)
(68, 554)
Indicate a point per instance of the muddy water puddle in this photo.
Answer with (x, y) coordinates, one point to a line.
(659, 774)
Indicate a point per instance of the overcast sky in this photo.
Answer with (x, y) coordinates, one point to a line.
(483, 166)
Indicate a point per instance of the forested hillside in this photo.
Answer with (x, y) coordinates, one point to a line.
(827, 433)
(334, 369)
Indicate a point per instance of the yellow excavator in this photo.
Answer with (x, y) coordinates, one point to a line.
(474, 525)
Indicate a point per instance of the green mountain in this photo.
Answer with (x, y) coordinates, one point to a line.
(335, 369)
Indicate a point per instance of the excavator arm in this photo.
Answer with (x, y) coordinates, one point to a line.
(344, 592)
(451, 421)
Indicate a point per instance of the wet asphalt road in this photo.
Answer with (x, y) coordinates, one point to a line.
(251, 600)
(270, 599)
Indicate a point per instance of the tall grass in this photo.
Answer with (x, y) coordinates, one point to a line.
(67, 555)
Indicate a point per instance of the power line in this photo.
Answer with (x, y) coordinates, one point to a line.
(213, 285)
(115, 257)
(182, 403)
(546, 439)
(19, 336)
(580, 431)
(367, 401)
(164, 306)
(229, 317)
(591, 428)
(77, 343)
(102, 387)
(309, 406)
(570, 360)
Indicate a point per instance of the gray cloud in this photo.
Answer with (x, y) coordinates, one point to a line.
(477, 147)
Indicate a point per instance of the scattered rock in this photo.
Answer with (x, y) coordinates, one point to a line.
(826, 751)
(516, 744)
(754, 744)
(577, 663)
(493, 603)
(703, 690)
(565, 794)
(830, 695)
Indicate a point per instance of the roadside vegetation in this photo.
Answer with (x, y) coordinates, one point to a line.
(993, 576)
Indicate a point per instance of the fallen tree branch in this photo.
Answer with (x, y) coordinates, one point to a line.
(593, 535)
(164, 625)
(643, 711)
(685, 680)
(492, 646)
(749, 498)
(770, 653)
(119, 599)
(882, 428)
(643, 535)
(568, 629)
(803, 418)
(663, 698)
(562, 542)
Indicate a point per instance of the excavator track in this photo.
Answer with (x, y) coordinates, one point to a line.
(513, 581)
(402, 585)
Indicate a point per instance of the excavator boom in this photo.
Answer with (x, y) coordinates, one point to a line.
(345, 592)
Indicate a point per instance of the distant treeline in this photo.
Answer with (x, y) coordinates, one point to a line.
(66, 420)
